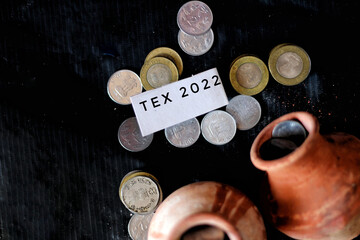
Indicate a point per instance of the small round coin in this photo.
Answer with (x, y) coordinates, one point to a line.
(246, 111)
(183, 134)
(196, 45)
(194, 18)
(289, 64)
(290, 129)
(157, 72)
(139, 225)
(248, 75)
(122, 85)
(169, 54)
(140, 192)
(218, 127)
(129, 136)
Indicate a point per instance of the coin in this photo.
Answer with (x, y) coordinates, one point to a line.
(169, 54)
(122, 85)
(129, 136)
(289, 64)
(157, 72)
(194, 18)
(248, 75)
(204, 233)
(218, 127)
(140, 192)
(139, 225)
(183, 134)
(290, 129)
(196, 45)
(246, 111)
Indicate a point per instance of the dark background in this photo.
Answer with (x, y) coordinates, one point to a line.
(60, 161)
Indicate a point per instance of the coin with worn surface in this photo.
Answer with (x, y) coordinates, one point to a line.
(246, 111)
(169, 54)
(139, 225)
(218, 127)
(130, 137)
(290, 129)
(248, 75)
(140, 192)
(157, 72)
(183, 134)
(122, 85)
(194, 18)
(289, 64)
(196, 45)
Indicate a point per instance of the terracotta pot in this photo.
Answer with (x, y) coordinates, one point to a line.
(211, 204)
(313, 192)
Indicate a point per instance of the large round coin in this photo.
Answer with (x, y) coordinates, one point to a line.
(130, 137)
(248, 75)
(289, 64)
(140, 192)
(246, 110)
(157, 72)
(169, 54)
(218, 127)
(194, 18)
(122, 85)
(196, 45)
(183, 134)
(139, 225)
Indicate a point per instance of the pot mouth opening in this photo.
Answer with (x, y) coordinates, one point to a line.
(204, 231)
(271, 150)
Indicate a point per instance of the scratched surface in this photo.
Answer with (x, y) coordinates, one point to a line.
(60, 161)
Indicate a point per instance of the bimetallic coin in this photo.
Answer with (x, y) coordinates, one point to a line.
(140, 192)
(130, 137)
(194, 18)
(248, 75)
(183, 134)
(169, 54)
(196, 45)
(218, 127)
(289, 64)
(246, 111)
(122, 85)
(139, 225)
(157, 72)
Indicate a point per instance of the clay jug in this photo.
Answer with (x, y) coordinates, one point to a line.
(314, 191)
(220, 206)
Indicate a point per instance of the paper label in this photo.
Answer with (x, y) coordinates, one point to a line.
(176, 102)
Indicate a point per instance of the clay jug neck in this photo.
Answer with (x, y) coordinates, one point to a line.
(205, 219)
(300, 161)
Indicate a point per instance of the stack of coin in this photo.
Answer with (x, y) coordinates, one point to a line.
(248, 75)
(195, 36)
(162, 66)
(141, 194)
(289, 64)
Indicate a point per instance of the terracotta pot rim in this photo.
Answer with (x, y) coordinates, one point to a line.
(311, 125)
(205, 218)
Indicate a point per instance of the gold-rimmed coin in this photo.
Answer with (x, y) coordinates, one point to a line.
(157, 72)
(168, 53)
(248, 75)
(140, 192)
(289, 64)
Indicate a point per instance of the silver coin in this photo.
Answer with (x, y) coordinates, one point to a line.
(141, 194)
(122, 85)
(289, 128)
(218, 127)
(139, 225)
(194, 18)
(246, 110)
(129, 136)
(196, 45)
(183, 134)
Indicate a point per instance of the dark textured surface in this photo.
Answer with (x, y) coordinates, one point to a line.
(60, 161)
